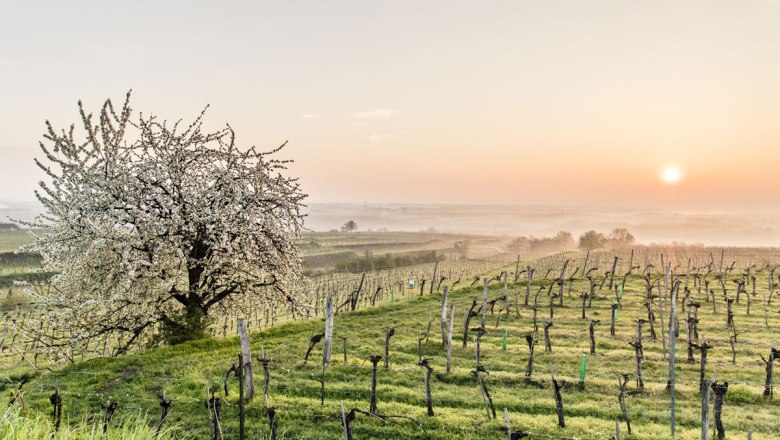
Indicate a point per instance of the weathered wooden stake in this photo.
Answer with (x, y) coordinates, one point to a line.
(345, 423)
(444, 316)
(246, 367)
(328, 344)
(506, 420)
(705, 409)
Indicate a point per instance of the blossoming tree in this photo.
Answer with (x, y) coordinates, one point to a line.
(150, 225)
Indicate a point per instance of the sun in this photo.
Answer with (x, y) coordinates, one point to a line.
(671, 174)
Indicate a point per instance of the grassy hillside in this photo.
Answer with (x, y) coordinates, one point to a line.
(184, 373)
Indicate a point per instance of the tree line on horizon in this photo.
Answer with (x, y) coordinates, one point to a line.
(564, 241)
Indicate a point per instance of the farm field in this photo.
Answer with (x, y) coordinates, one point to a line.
(185, 372)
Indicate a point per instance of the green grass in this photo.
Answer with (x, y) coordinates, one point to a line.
(185, 372)
(16, 425)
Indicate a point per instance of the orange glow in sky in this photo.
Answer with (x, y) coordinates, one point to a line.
(429, 102)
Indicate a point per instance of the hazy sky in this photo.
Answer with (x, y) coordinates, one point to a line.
(427, 101)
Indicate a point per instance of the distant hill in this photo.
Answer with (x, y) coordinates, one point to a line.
(9, 227)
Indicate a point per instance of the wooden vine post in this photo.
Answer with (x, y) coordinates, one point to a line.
(705, 408)
(246, 366)
(444, 316)
(327, 347)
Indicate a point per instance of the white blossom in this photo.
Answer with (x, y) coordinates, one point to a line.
(149, 220)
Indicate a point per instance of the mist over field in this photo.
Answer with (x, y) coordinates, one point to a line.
(746, 228)
(754, 227)
(740, 228)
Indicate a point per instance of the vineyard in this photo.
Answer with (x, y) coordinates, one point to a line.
(573, 345)
(390, 220)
